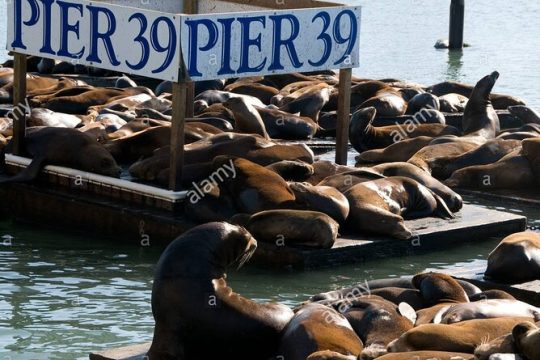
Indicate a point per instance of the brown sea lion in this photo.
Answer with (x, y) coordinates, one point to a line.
(502, 345)
(317, 328)
(437, 287)
(398, 295)
(282, 125)
(492, 294)
(325, 168)
(400, 151)
(364, 136)
(500, 101)
(453, 103)
(260, 91)
(490, 152)
(461, 337)
(292, 170)
(293, 228)
(422, 101)
(427, 355)
(253, 187)
(64, 147)
(511, 172)
(516, 259)
(140, 144)
(525, 114)
(425, 156)
(324, 199)
(480, 118)
(427, 314)
(451, 198)
(531, 150)
(192, 303)
(486, 309)
(380, 206)
(376, 321)
(310, 103)
(246, 117)
(527, 340)
(344, 181)
(212, 97)
(330, 355)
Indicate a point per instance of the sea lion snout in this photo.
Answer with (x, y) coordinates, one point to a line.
(495, 75)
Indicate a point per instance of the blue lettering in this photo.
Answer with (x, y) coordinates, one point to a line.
(47, 5)
(194, 40)
(66, 28)
(226, 25)
(17, 18)
(288, 43)
(145, 46)
(247, 42)
(95, 35)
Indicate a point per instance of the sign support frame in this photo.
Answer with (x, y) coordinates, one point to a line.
(343, 115)
(19, 102)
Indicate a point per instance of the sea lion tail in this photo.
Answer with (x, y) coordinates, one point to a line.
(443, 210)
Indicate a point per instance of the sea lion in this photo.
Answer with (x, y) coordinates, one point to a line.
(325, 199)
(64, 147)
(525, 114)
(516, 259)
(399, 295)
(453, 103)
(141, 144)
(46, 117)
(192, 303)
(344, 181)
(292, 170)
(451, 198)
(461, 337)
(500, 101)
(486, 309)
(364, 136)
(330, 355)
(427, 314)
(491, 294)
(260, 91)
(293, 228)
(502, 345)
(376, 321)
(310, 103)
(325, 168)
(246, 116)
(400, 151)
(427, 355)
(531, 150)
(488, 153)
(211, 97)
(436, 288)
(387, 101)
(511, 172)
(480, 118)
(380, 206)
(124, 81)
(317, 328)
(425, 156)
(253, 187)
(282, 125)
(527, 337)
(423, 101)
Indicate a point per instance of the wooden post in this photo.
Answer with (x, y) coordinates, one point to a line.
(344, 109)
(177, 135)
(19, 101)
(190, 7)
(457, 23)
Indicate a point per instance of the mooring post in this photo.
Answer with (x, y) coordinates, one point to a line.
(177, 135)
(19, 103)
(344, 110)
(457, 23)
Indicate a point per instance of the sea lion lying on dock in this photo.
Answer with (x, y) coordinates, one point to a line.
(316, 328)
(516, 259)
(192, 303)
(525, 114)
(64, 147)
(486, 309)
(380, 206)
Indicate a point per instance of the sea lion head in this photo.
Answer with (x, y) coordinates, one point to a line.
(363, 117)
(527, 337)
(207, 251)
(437, 288)
(98, 160)
(485, 85)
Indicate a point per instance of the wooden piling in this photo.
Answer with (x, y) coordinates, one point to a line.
(19, 101)
(344, 109)
(177, 135)
(457, 23)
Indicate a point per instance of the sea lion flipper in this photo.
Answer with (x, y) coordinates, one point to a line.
(442, 209)
(29, 173)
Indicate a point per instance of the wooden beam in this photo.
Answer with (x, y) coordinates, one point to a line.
(177, 136)
(344, 109)
(190, 7)
(19, 101)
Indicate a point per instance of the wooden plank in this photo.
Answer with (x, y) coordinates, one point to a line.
(134, 352)
(19, 102)
(472, 223)
(191, 6)
(177, 135)
(344, 109)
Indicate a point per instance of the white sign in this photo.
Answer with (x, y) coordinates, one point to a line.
(270, 42)
(106, 36)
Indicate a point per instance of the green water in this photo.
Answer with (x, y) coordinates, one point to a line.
(63, 295)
